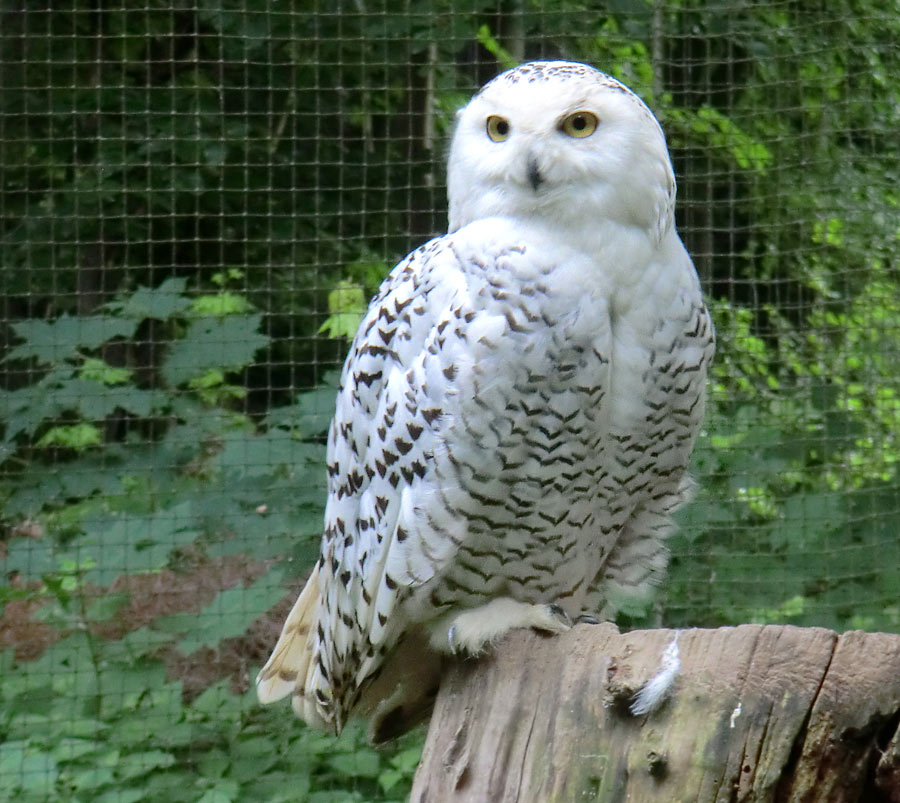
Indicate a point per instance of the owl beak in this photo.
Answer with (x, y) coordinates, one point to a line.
(533, 172)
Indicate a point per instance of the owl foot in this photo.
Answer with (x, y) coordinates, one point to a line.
(474, 631)
(588, 619)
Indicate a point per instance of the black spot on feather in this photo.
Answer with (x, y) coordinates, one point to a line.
(431, 414)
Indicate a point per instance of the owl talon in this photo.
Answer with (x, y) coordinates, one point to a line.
(561, 620)
(587, 619)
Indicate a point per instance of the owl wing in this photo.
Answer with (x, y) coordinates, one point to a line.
(387, 424)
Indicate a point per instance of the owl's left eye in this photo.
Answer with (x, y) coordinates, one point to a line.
(579, 124)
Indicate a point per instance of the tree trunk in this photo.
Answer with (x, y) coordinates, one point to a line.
(757, 713)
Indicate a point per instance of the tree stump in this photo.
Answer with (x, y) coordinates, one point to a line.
(758, 713)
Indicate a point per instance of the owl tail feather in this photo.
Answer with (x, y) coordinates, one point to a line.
(289, 667)
(395, 697)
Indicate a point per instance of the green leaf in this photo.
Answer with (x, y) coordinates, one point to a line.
(224, 792)
(132, 544)
(408, 760)
(27, 408)
(25, 768)
(212, 378)
(251, 758)
(293, 533)
(105, 607)
(59, 393)
(364, 763)
(93, 778)
(213, 390)
(121, 796)
(347, 306)
(213, 764)
(271, 453)
(310, 415)
(97, 370)
(70, 749)
(279, 786)
(228, 343)
(223, 278)
(223, 303)
(489, 43)
(215, 702)
(59, 340)
(141, 692)
(160, 303)
(30, 499)
(97, 404)
(28, 558)
(72, 436)
(389, 778)
(135, 645)
(134, 765)
(231, 613)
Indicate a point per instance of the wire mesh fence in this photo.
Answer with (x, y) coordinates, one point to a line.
(197, 200)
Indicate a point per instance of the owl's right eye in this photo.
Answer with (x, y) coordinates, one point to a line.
(497, 128)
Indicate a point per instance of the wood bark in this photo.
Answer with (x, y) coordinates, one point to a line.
(757, 713)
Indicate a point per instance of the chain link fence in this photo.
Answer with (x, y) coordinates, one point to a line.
(197, 199)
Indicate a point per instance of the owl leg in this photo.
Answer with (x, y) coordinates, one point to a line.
(476, 630)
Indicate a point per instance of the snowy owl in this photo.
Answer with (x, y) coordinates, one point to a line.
(516, 414)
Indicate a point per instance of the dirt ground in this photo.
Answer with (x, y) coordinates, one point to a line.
(151, 596)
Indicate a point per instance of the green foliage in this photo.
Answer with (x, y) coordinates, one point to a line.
(346, 307)
(58, 341)
(101, 721)
(721, 135)
(489, 43)
(800, 466)
(221, 342)
(98, 718)
(72, 436)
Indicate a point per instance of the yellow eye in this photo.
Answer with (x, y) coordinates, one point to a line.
(579, 125)
(497, 128)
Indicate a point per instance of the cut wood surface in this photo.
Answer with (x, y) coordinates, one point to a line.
(758, 713)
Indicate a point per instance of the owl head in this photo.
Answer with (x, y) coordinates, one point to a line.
(563, 143)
